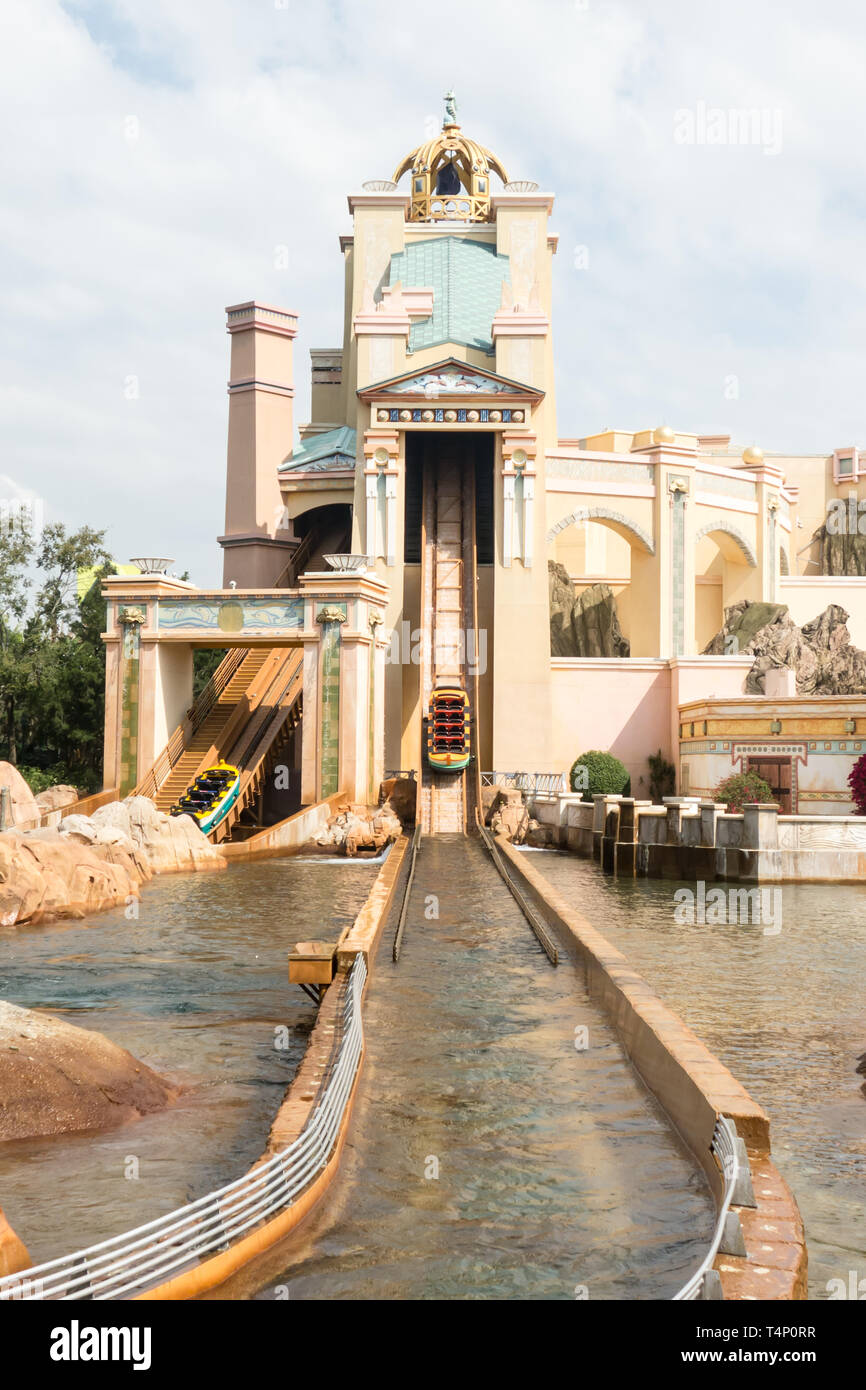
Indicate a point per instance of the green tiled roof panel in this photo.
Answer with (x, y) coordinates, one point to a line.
(333, 449)
(466, 278)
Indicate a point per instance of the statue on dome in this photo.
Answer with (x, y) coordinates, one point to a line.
(450, 109)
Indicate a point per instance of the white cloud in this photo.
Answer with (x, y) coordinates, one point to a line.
(251, 121)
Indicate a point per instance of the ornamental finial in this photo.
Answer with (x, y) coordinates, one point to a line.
(450, 109)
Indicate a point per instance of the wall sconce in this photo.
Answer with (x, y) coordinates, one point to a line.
(776, 726)
(850, 726)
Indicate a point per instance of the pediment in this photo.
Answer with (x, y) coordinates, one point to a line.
(450, 379)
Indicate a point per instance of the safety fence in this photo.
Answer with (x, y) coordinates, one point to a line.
(147, 1256)
(537, 784)
(730, 1154)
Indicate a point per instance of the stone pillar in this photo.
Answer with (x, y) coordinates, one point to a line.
(609, 838)
(709, 812)
(257, 541)
(674, 816)
(760, 825)
(625, 853)
(148, 682)
(344, 685)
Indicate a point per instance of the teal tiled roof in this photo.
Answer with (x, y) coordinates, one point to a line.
(321, 452)
(466, 277)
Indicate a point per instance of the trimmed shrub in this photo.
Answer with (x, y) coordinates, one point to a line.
(857, 783)
(742, 787)
(594, 772)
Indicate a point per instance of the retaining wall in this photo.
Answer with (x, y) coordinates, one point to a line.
(693, 1087)
(689, 838)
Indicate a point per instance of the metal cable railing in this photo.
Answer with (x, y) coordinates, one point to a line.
(145, 1257)
(725, 1147)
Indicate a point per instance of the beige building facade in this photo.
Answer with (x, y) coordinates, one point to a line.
(448, 350)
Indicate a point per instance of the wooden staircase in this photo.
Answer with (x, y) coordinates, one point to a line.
(178, 765)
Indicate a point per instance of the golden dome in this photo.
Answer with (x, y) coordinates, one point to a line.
(450, 175)
(663, 435)
(753, 454)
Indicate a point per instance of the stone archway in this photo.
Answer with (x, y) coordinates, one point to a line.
(727, 529)
(721, 577)
(632, 530)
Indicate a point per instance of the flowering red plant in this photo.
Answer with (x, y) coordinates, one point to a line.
(857, 783)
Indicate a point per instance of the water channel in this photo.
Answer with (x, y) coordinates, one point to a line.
(786, 1011)
(488, 1157)
(196, 987)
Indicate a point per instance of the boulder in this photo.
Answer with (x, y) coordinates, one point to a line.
(355, 828)
(52, 801)
(56, 1078)
(509, 816)
(23, 807)
(13, 1252)
(400, 795)
(44, 875)
(820, 653)
(166, 844)
(586, 624)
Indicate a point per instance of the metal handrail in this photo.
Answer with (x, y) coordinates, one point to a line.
(145, 1257)
(167, 759)
(724, 1149)
(548, 784)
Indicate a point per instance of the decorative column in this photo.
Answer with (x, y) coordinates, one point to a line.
(771, 555)
(344, 682)
(380, 477)
(375, 710)
(518, 492)
(131, 621)
(678, 489)
(331, 618)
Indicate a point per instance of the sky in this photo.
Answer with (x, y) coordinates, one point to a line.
(162, 160)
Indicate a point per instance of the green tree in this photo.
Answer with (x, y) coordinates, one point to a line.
(51, 655)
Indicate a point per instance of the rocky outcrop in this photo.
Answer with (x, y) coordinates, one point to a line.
(509, 816)
(400, 795)
(355, 829)
(56, 1078)
(14, 1255)
(23, 807)
(168, 844)
(88, 863)
(44, 876)
(819, 653)
(54, 800)
(586, 624)
(842, 554)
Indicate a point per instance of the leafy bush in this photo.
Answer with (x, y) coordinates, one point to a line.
(857, 783)
(735, 791)
(663, 776)
(39, 779)
(594, 772)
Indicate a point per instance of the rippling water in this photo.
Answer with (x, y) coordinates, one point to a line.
(487, 1157)
(195, 987)
(785, 1012)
